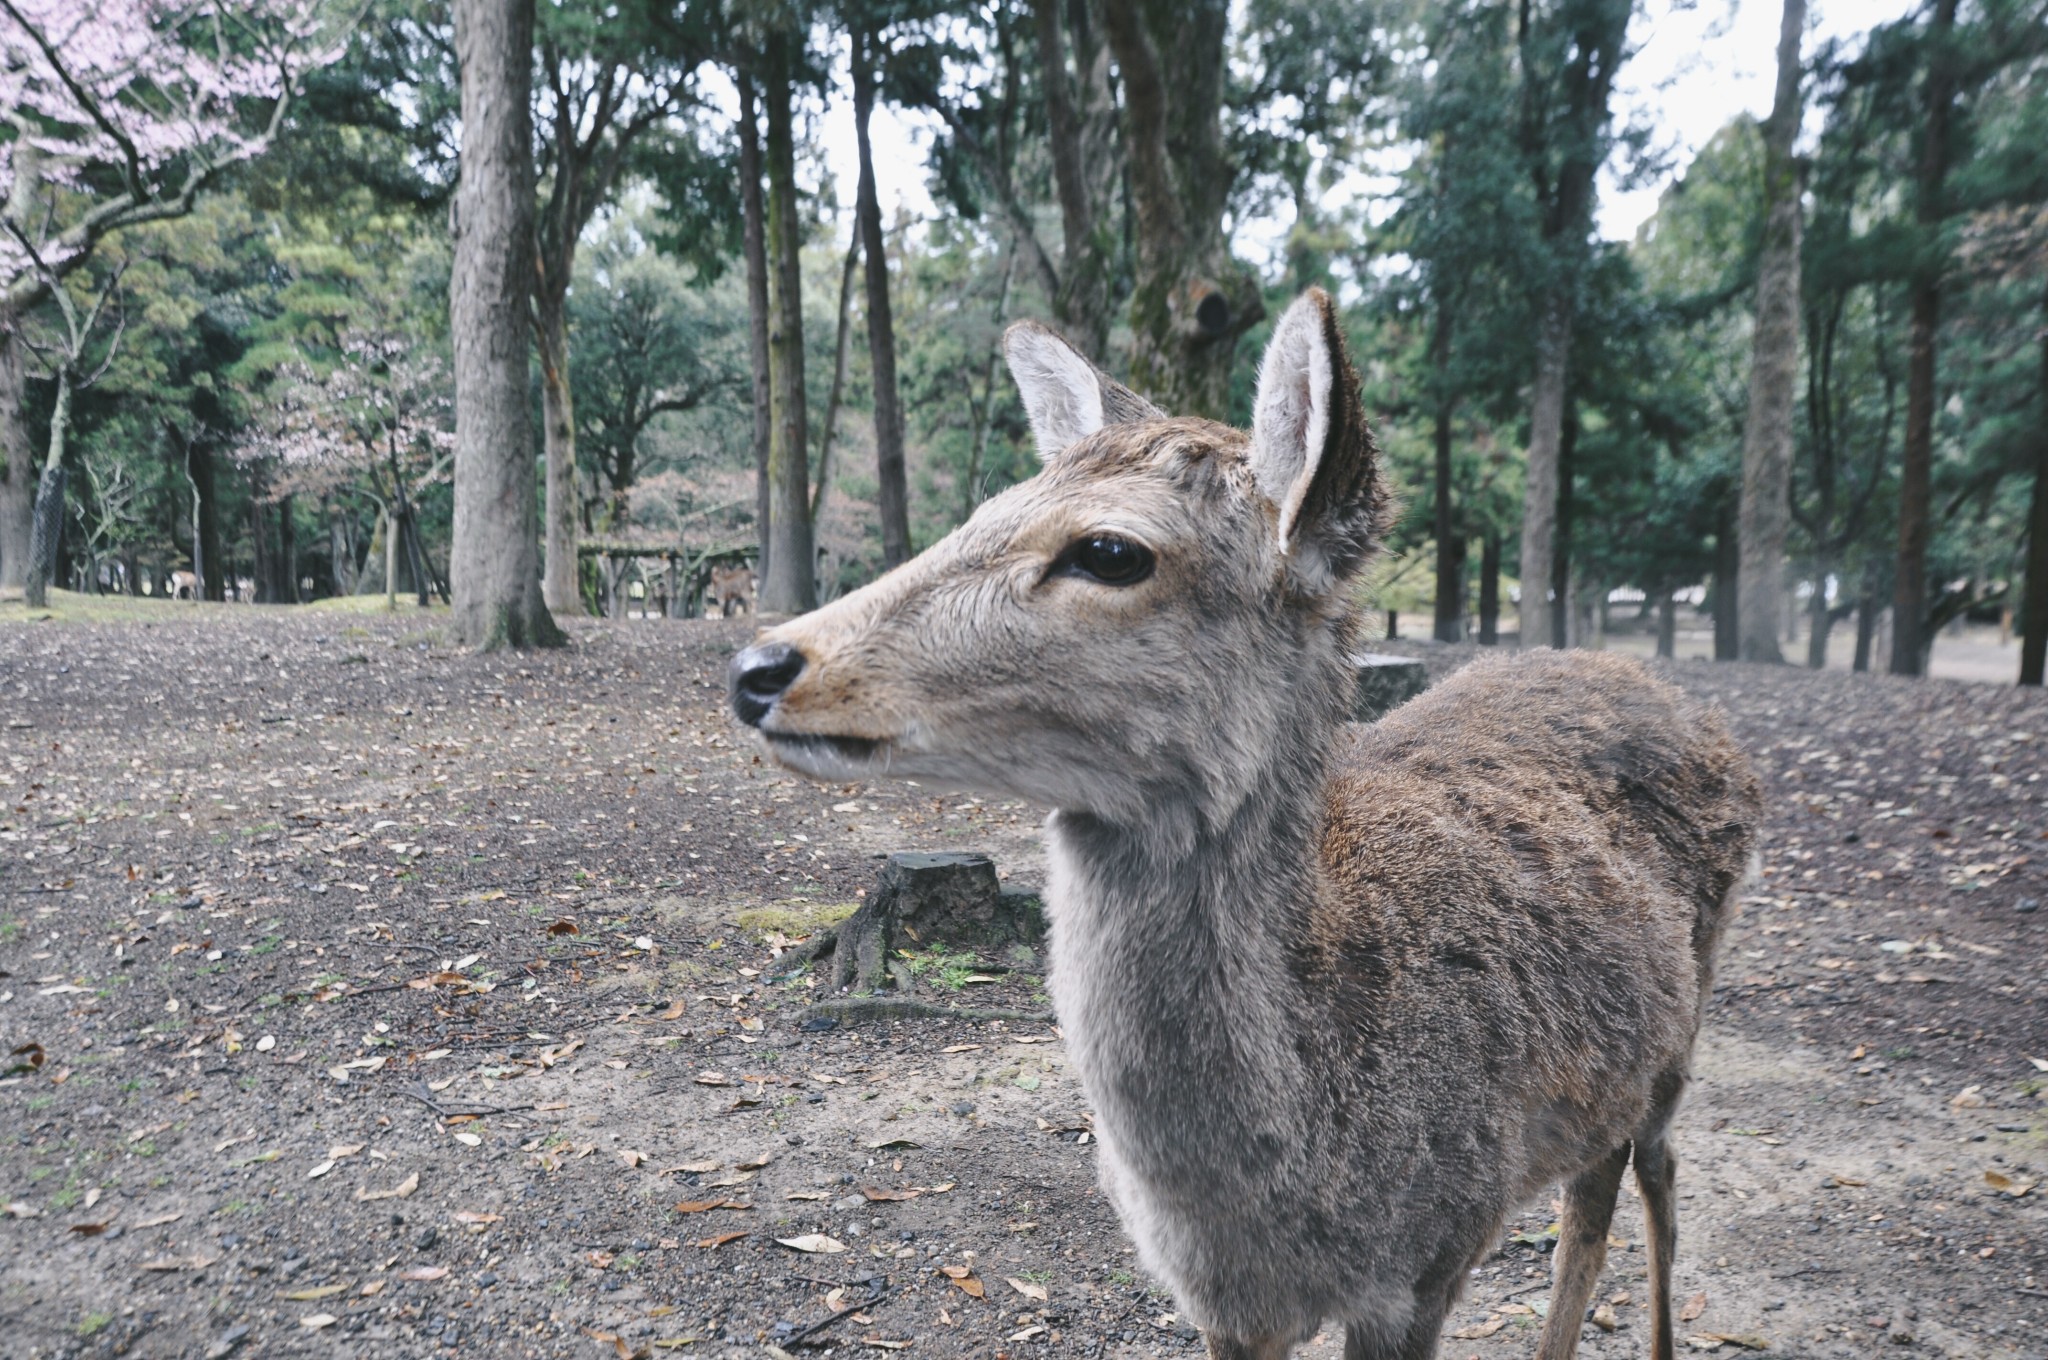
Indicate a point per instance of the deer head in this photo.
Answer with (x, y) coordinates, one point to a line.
(1155, 617)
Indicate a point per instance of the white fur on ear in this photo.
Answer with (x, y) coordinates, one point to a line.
(1291, 417)
(1061, 389)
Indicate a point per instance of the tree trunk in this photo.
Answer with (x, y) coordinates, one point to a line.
(1489, 589)
(209, 563)
(1562, 577)
(1539, 493)
(1450, 544)
(47, 531)
(1667, 626)
(893, 494)
(1910, 642)
(790, 585)
(262, 548)
(1727, 588)
(494, 562)
(1820, 621)
(822, 486)
(341, 557)
(559, 585)
(1189, 301)
(1866, 628)
(287, 552)
(2034, 597)
(1079, 127)
(753, 216)
(1774, 365)
(18, 470)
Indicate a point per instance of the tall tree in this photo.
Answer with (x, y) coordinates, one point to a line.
(1765, 512)
(754, 215)
(494, 565)
(790, 584)
(1569, 53)
(1190, 300)
(610, 81)
(893, 494)
(121, 113)
(1910, 641)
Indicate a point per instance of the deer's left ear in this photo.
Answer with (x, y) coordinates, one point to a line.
(1066, 397)
(1312, 451)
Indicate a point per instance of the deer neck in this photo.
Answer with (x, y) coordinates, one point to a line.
(1173, 937)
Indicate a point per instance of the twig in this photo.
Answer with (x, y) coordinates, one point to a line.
(806, 1333)
(469, 1109)
(854, 1009)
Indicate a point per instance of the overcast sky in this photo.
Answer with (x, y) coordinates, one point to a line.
(1695, 64)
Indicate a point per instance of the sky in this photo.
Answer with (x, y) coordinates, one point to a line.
(1694, 65)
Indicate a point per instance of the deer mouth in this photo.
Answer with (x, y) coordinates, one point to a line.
(822, 754)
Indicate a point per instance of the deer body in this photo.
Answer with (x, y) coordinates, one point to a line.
(1321, 1093)
(1343, 998)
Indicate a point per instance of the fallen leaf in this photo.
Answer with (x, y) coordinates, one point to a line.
(1997, 1180)
(1604, 1318)
(469, 1139)
(92, 1229)
(964, 1277)
(157, 1222)
(713, 1079)
(1026, 1288)
(879, 1344)
(887, 1196)
(719, 1240)
(403, 1189)
(1969, 1098)
(319, 1170)
(893, 1143)
(2040, 1064)
(373, 1287)
(325, 1291)
(563, 926)
(1851, 1182)
(752, 1163)
(960, 1048)
(1692, 1308)
(1481, 1329)
(1749, 1341)
(674, 1011)
(424, 1274)
(179, 1263)
(318, 1320)
(807, 1194)
(705, 1206)
(473, 1217)
(813, 1242)
(692, 1168)
(1027, 1333)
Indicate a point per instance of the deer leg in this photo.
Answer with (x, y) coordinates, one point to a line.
(1238, 1348)
(1581, 1251)
(1657, 1177)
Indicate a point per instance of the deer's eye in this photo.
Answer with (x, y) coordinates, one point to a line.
(1106, 558)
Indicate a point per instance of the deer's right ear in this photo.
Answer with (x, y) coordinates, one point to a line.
(1066, 397)
(1312, 451)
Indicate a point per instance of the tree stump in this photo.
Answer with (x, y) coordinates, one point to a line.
(925, 900)
(1385, 683)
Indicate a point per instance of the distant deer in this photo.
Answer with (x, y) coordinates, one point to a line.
(184, 585)
(1343, 997)
(732, 589)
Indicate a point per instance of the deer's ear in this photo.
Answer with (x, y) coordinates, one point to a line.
(1312, 451)
(1066, 397)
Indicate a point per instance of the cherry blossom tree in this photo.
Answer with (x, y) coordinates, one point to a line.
(113, 114)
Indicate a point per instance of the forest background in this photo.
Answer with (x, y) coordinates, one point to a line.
(1810, 390)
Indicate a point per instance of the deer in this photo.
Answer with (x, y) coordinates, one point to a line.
(1343, 996)
(732, 589)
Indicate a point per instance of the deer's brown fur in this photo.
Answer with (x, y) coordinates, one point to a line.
(1342, 997)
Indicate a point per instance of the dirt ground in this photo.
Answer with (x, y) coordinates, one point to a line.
(369, 999)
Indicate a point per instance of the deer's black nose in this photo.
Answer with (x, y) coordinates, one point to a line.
(759, 675)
